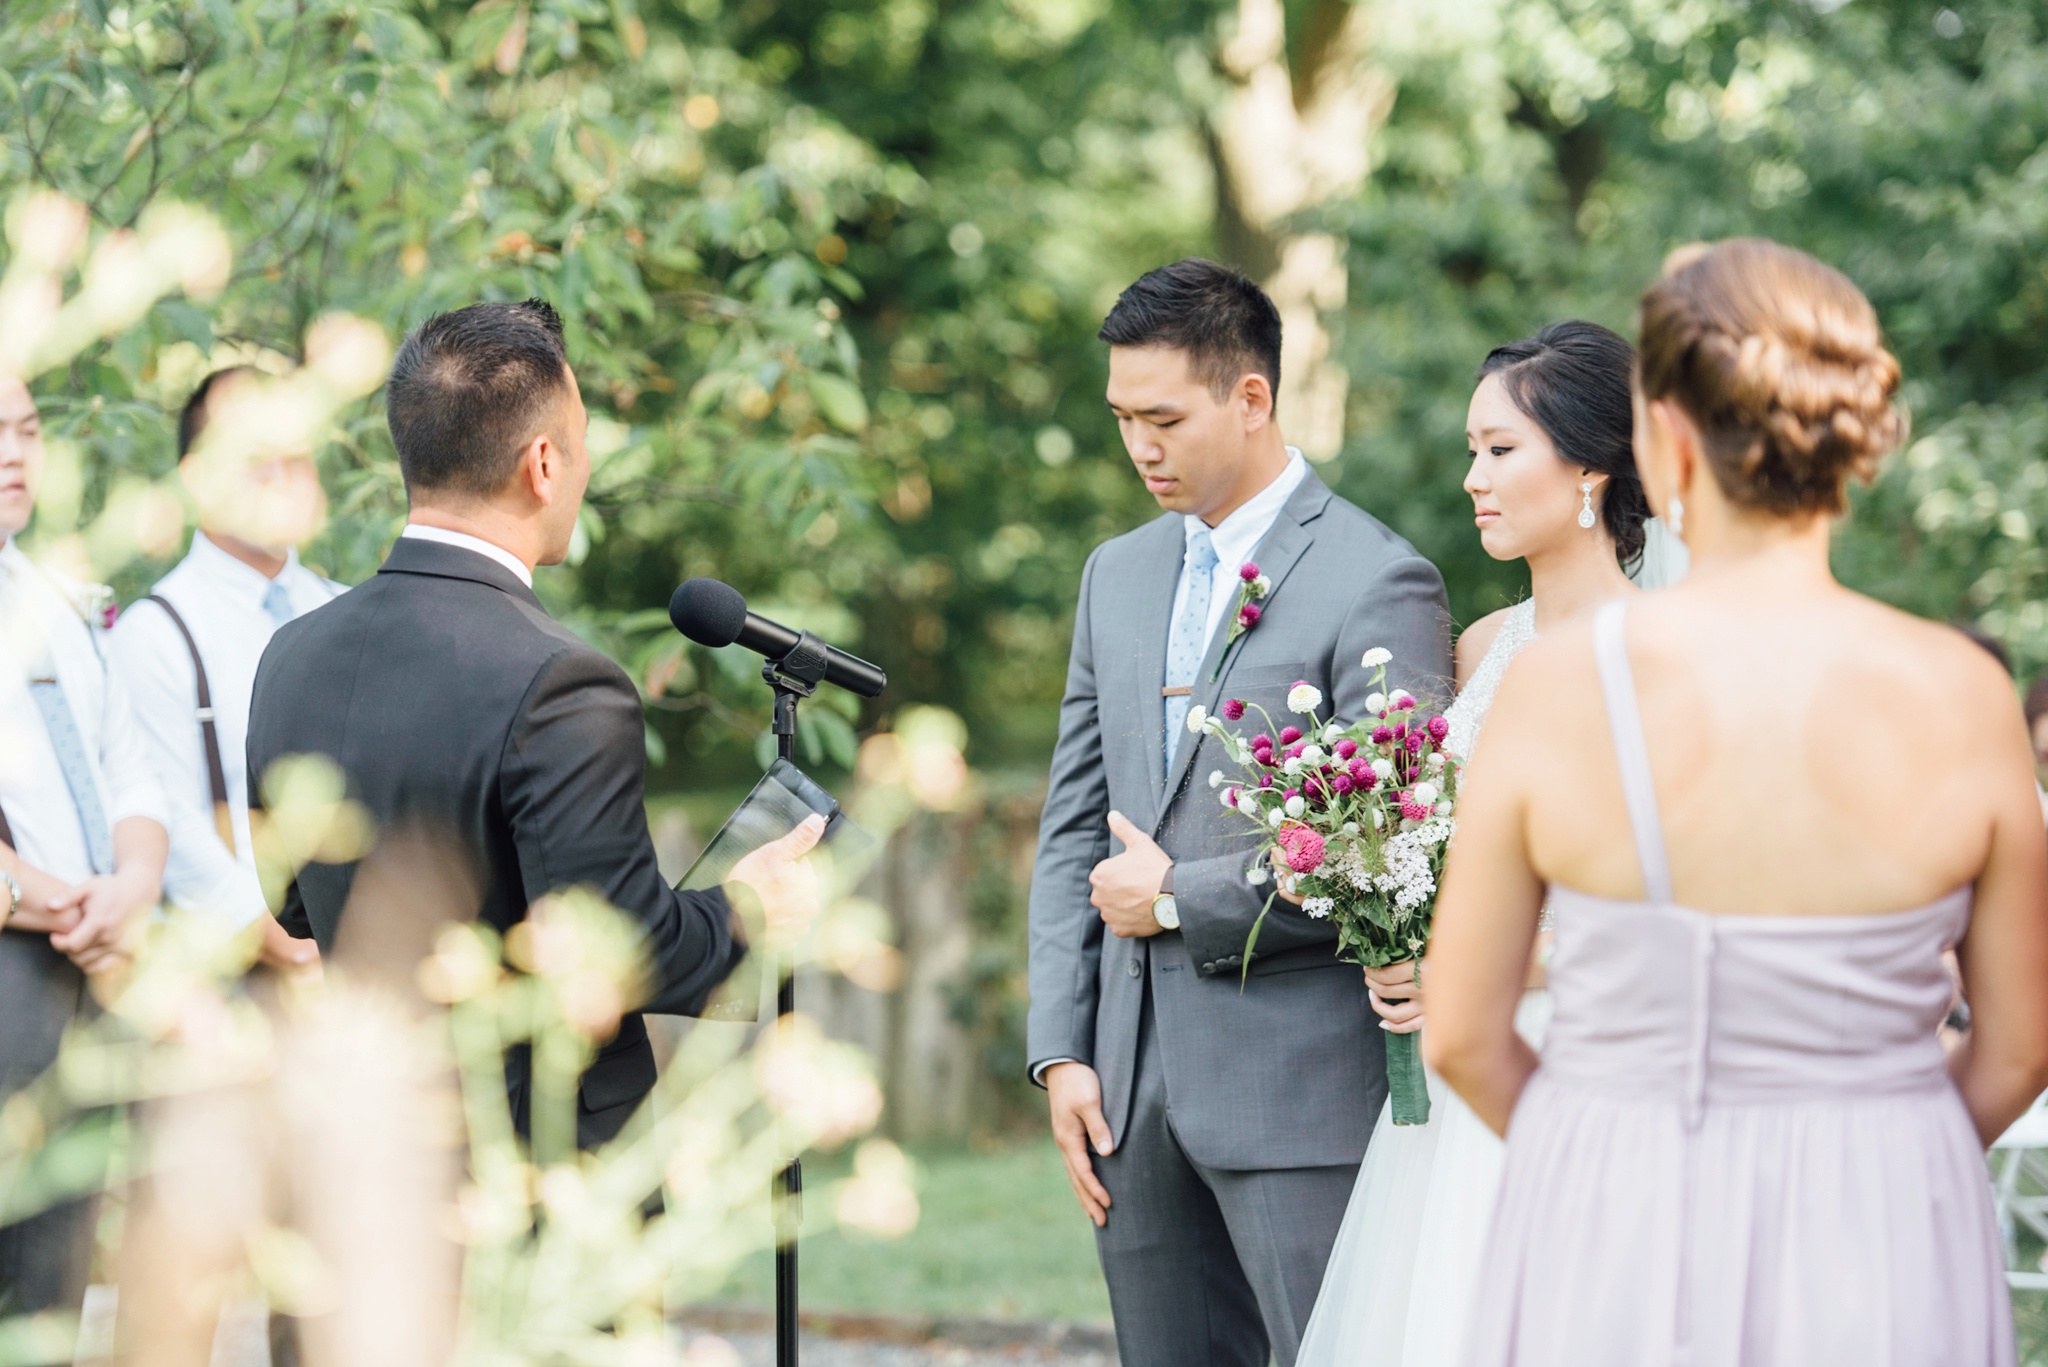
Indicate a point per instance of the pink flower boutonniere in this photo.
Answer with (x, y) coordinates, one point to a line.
(1252, 588)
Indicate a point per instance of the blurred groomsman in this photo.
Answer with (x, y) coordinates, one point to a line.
(187, 653)
(81, 837)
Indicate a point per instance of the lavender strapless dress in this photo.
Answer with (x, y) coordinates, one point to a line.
(1742, 1148)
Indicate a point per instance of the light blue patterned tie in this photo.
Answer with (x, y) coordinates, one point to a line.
(278, 603)
(1190, 638)
(71, 758)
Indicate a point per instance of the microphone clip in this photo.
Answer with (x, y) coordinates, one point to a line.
(801, 670)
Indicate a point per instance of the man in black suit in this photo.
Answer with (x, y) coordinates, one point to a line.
(467, 719)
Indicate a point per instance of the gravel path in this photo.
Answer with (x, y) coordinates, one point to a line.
(758, 1350)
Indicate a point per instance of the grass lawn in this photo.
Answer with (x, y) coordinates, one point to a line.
(1000, 1235)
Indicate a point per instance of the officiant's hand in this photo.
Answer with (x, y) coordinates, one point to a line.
(1126, 883)
(1077, 1126)
(781, 875)
(1396, 993)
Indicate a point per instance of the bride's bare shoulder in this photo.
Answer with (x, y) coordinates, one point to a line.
(1474, 641)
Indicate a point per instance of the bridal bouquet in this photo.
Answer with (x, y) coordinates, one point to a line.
(1361, 815)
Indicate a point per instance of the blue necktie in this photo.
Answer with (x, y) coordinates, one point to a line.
(69, 744)
(278, 603)
(1190, 638)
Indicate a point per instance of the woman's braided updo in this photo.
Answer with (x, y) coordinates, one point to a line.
(1780, 361)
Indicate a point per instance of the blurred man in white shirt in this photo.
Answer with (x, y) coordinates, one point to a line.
(187, 653)
(82, 836)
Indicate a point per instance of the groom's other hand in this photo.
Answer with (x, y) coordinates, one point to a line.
(1077, 1126)
(1125, 884)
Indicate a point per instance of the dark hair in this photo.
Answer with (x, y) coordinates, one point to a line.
(193, 418)
(1572, 380)
(1780, 361)
(2037, 702)
(1218, 316)
(469, 389)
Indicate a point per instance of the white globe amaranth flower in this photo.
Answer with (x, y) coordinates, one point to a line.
(1375, 703)
(1292, 767)
(1258, 875)
(1228, 797)
(1248, 804)
(1261, 586)
(1304, 698)
(1351, 828)
(1198, 717)
(1334, 731)
(1443, 808)
(1435, 760)
(1402, 700)
(1384, 768)
(1379, 819)
(1295, 806)
(1425, 794)
(1215, 778)
(1313, 754)
(1377, 656)
(1277, 816)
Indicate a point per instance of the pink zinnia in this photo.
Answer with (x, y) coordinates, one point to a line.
(1289, 735)
(1248, 615)
(1306, 854)
(1248, 571)
(1233, 710)
(1438, 728)
(1412, 809)
(1346, 748)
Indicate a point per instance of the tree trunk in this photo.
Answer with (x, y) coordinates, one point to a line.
(1289, 137)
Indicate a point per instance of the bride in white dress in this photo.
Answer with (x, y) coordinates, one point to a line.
(1553, 482)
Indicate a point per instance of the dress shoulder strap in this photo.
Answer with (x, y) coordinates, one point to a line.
(1625, 721)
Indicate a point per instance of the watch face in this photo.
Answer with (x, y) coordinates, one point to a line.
(1166, 911)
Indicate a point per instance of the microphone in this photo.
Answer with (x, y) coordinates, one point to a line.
(712, 613)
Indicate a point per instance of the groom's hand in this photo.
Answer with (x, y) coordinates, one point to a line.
(1077, 1126)
(1126, 883)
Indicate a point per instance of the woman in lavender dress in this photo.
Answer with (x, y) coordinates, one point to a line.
(1553, 482)
(1760, 807)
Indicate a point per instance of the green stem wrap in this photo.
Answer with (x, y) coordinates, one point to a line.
(1407, 1087)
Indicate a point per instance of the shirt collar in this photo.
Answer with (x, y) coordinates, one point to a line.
(417, 532)
(237, 576)
(1237, 536)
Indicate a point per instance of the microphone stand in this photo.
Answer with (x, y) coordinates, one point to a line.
(793, 678)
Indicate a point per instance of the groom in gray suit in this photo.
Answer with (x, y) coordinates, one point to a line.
(1213, 1105)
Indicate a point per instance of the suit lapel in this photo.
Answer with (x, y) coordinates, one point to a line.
(1155, 594)
(1277, 555)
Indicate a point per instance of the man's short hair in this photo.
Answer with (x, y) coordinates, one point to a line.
(193, 419)
(1224, 322)
(470, 389)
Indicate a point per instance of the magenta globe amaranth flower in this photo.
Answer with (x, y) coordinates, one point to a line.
(1342, 784)
(1438, 728)
(1233, 710)
(1346, 748)
(1415, 743)
(1289, 735)
(1248, 616)
(1248, 571)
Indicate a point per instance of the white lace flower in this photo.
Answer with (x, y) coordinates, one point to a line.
(1304, 698)
(1198, 717)
(1375, 703)
(1319, 907)
(1294, 807)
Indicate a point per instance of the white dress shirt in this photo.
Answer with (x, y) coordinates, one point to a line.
(1235, 538)
(220, 599)
(44, 624)
(471, 543)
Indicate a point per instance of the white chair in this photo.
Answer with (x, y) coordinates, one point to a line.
(2019, 1178)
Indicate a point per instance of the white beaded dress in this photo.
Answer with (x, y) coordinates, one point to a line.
(1401, 1281)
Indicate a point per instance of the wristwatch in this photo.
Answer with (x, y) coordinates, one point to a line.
(13, 897)
(1165, 910)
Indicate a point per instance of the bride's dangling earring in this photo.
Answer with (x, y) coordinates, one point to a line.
(1677, 516)
(1586, 518)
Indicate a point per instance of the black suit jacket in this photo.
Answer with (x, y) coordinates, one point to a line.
(463, 714)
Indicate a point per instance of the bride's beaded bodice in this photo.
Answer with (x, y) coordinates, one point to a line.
(1468, 713)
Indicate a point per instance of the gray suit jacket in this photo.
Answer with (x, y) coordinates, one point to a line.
(1285, 1069)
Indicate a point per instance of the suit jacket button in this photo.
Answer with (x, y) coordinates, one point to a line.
(1208, 968)
(1133, 968)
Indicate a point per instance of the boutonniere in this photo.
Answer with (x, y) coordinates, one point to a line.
(1252, 588)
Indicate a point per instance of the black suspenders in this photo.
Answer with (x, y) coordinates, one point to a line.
(209, 737)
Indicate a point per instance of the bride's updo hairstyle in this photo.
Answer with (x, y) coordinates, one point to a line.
(1779, 360)
(1571, 380)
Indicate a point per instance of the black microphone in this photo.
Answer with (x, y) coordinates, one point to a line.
(712, 613)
